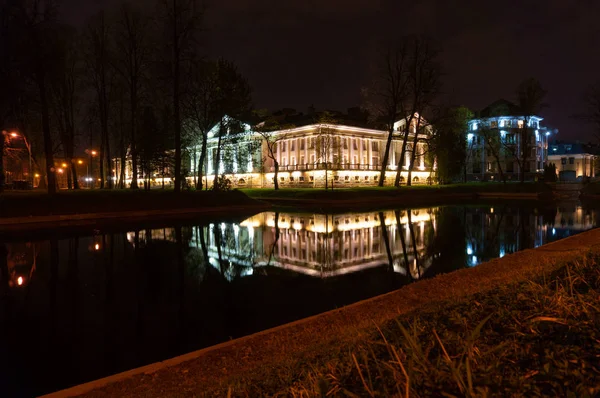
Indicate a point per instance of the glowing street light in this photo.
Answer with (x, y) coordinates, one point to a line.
(64, 165)
(80, 161)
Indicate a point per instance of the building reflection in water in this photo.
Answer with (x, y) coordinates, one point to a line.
(90, 306)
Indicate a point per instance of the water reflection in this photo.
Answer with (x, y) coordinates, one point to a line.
(88, 306)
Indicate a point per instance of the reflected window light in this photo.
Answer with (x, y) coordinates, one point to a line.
(474, 260)
(502, 252)
(20, 281)
(469, 249)
(97, 246)
(553, 231)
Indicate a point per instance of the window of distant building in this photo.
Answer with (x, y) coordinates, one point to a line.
(293, 145)
(563, 160)
(302, 140)
(474, 126)
(355, 144)
(494, 124)
(520, 124)
(571, 160)
(374, 146)
(283, 146)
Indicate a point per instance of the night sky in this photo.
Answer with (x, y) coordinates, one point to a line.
(298, 53)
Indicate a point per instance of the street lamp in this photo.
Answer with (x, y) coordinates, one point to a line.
(14, 134)
(90, 180)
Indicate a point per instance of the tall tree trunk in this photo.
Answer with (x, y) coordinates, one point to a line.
(401, 160)
(101, 161)
(275, 178)
(217, 160)
(386, 239)
(48, 147)
(74, 173)
(202, 160)
(386, 155)
(134, 160)
(176, 104)
(2, 176)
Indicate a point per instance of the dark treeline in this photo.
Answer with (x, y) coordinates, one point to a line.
(132, 84)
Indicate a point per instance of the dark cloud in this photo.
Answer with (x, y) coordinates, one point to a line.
(297, 53)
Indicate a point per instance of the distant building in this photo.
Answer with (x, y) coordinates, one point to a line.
(574, 161)
(494, 144)
(349, 153)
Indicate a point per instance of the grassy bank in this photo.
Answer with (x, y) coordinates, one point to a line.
(539, 337)
(17, 204)
(393, 192)
(592, 188)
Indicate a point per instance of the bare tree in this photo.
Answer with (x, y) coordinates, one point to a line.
(131, 62)
(181, 20)
(493, 142)
(327, 142)
(591, 115)
(531, 101)
(34, 23)
(64, 89)
(424, 78)
(201, 108)
(272, 134)
(97, 56)
(388, 92)
(232, 99)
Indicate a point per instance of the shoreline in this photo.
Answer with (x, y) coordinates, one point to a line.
(215, 368)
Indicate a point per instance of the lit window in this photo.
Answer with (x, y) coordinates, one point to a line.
(474, 126)
(520, 124)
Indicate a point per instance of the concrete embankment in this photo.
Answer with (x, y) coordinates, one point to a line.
(211, 370)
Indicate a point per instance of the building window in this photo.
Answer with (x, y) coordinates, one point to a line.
(292, 179)
(283, 146)
(494, 124)
(366, 178)
(282, 179)
(364, 145)
(347, 178)
(356, 178)
(355, 144)
(375, 146)
(293, 145)
(336, 178)
(520, 124)
(312, 178)
(374, 178)
(563, 160)
(474, 126)
(302, 140)
(571, 160)
(345, 143)
(301, 179)
(416, 179)
(311, 143)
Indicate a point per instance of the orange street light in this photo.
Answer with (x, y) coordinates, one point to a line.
(64, 165)
(80, 161)
(94, 153)
(14, 135)
(60, 171)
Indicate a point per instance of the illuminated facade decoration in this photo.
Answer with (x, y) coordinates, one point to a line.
(353, 158)
(573, 161)
(494, 143)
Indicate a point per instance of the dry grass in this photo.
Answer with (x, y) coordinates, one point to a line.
(535, 338)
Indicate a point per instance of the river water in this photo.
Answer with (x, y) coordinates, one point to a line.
(84, 306)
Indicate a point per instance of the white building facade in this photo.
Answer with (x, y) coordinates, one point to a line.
(307, 157)
(495, 146)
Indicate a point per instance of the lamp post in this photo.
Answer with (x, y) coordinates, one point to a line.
(90, 167)
(14, 134)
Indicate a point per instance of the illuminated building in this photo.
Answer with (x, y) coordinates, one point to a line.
(573, 161)
(494, 144)
(352, 157)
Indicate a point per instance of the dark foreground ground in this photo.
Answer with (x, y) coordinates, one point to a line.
(524, 325)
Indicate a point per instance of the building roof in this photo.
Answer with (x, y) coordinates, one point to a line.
(570, 149)
(500, 107)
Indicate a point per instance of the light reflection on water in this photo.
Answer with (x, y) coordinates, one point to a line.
(85, 307)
